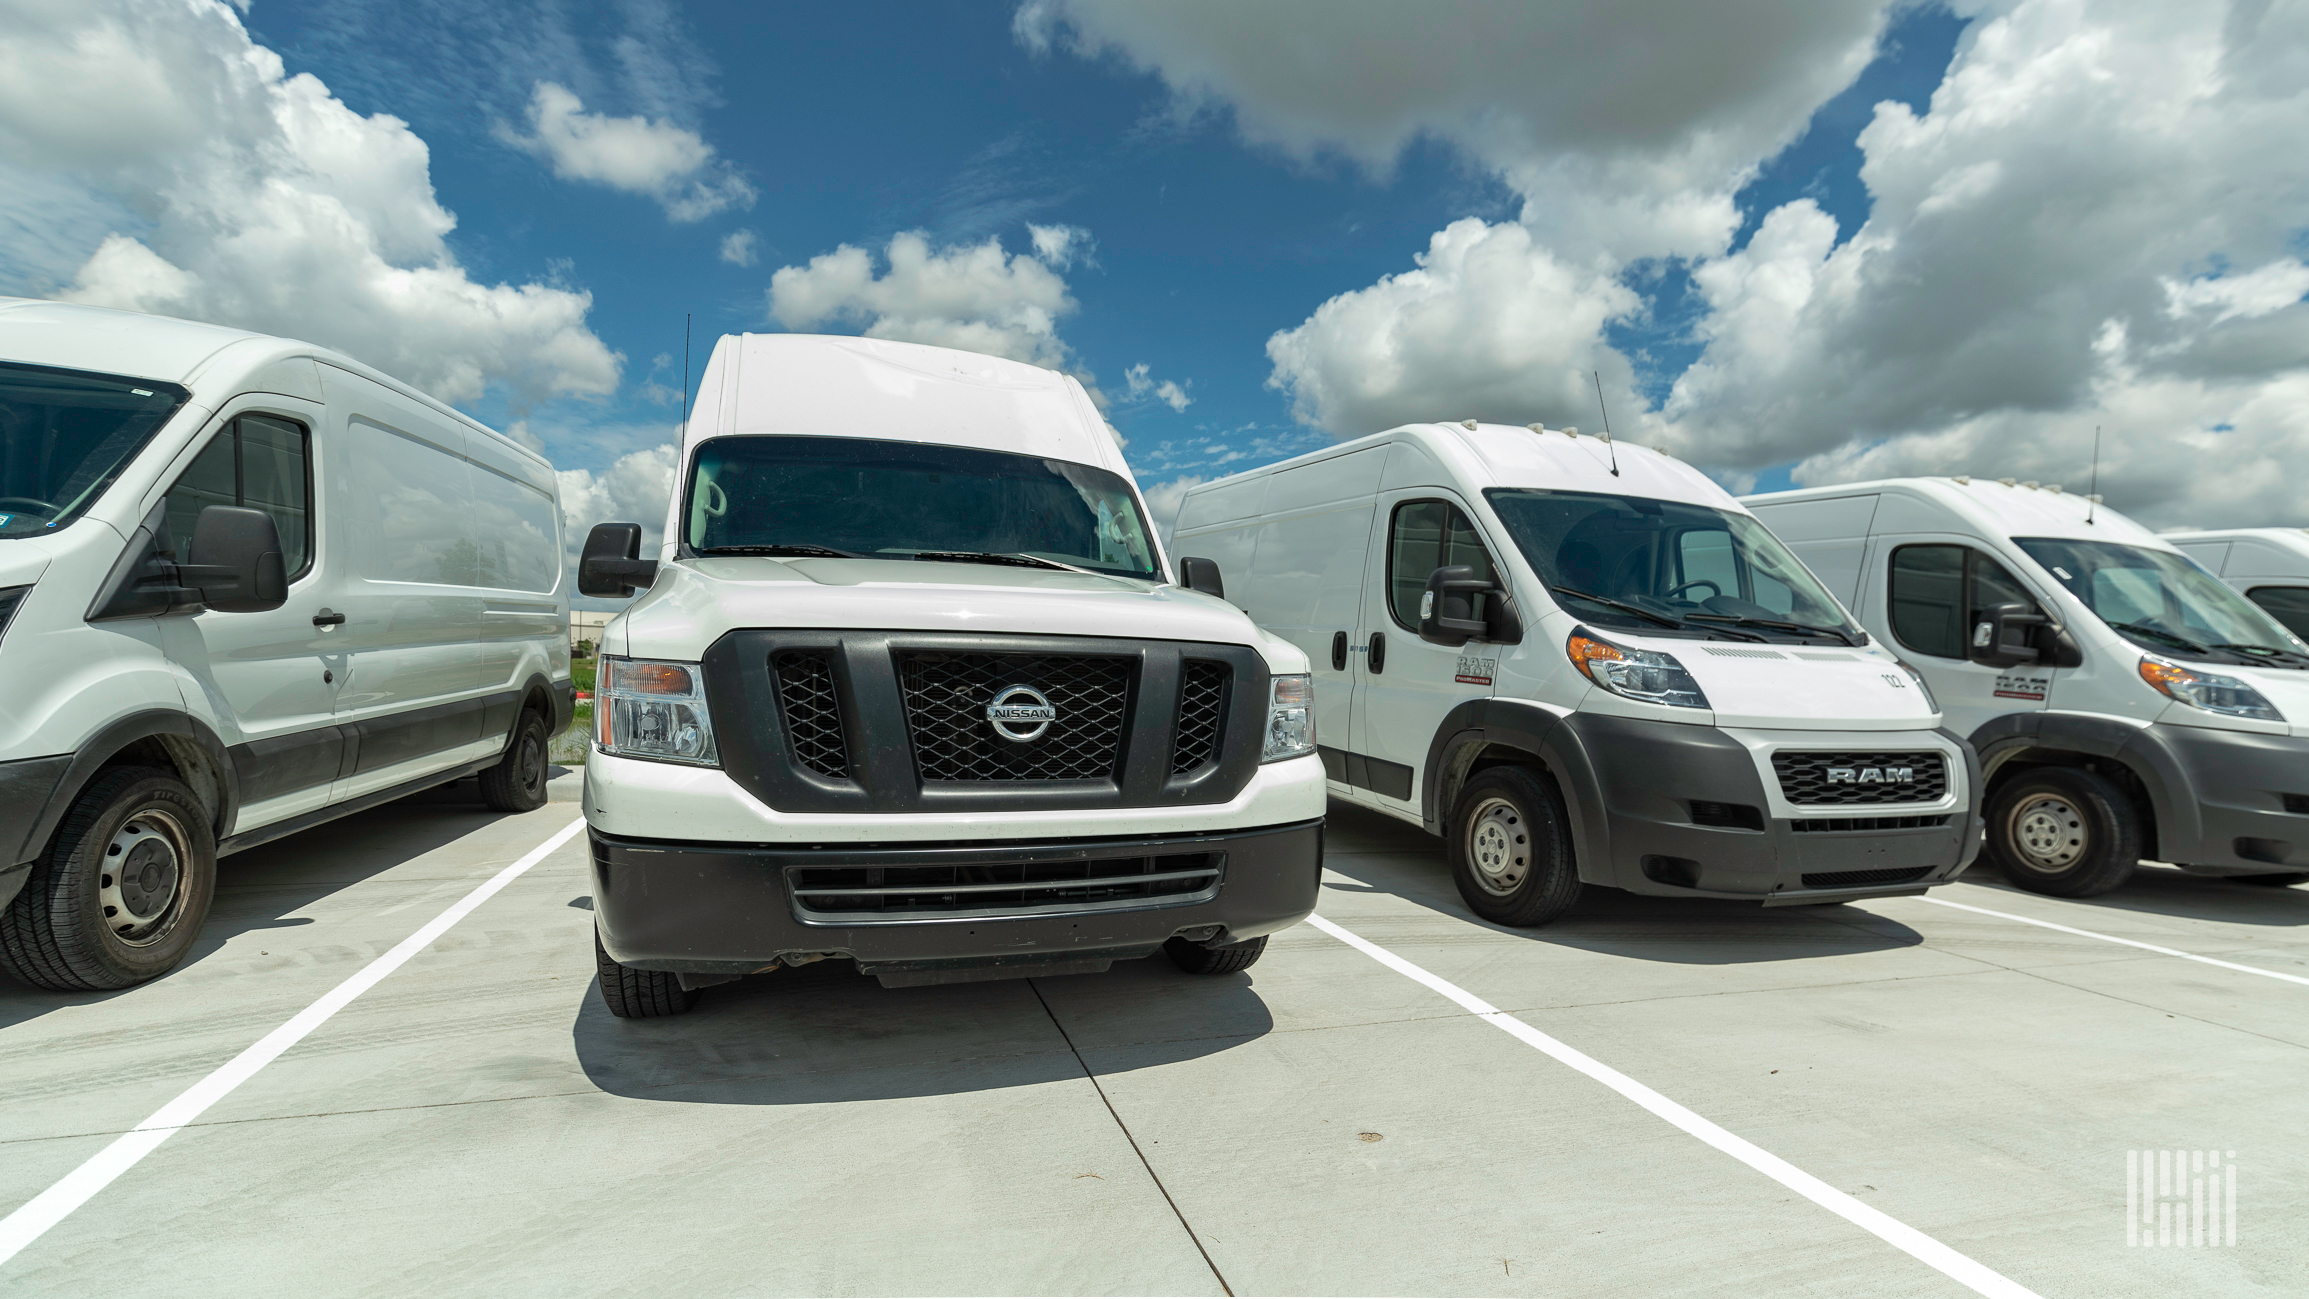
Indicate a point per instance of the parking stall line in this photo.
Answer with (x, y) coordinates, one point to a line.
(34, 1217)
(2126, 942)
(1957, 1266)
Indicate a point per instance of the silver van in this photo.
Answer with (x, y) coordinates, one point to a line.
(246, 585)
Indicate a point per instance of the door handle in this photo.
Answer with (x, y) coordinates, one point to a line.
(1378, 654)
(1338, 651)
(325, 618)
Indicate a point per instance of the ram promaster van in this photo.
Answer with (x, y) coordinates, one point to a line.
(2270, 565)
(914, 686)
(246, 585)
(1581, 663)
(2125, 704)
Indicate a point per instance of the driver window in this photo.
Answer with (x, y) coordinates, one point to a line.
(2287, 604)
(259, 462)
(1427, 535)
(1937, 593)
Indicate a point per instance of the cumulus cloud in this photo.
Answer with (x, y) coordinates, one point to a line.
(257, 199)
(1061, 246)
(639, 155)
(1141, 385)
(972, 296)
(741, 248)
(636, 488)
(1163, 501)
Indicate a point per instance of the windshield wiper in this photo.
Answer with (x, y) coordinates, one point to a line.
(784, 551)
(1778, 624)
(1609, 603)
(2262, 652)
(1013, 559)
(2159, 633)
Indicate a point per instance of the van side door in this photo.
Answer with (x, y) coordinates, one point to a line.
(515, 527)
(1926, 594)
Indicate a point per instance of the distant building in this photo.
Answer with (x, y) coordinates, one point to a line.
(587, 625)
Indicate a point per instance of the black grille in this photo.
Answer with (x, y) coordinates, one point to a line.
(1727, 816)
(1847, 779)
(1847, 824)
(864, 894)
(2297, 804)
(946, 699)
(1202, 714)
(1854, 879)
(813, 714)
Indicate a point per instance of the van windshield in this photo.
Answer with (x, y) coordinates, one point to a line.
(2164, 602)
(877, 499)
(65, 435)
(1666, 566)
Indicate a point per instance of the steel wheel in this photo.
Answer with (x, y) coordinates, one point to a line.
(1499, 847)
(140, 882)
(2049, 833)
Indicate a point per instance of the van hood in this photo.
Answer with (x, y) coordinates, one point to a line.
(1807, 687)
(696, 600)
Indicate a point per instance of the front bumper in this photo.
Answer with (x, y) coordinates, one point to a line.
(25, 788)
(724, 908)
(1637, 791)
(2227, 797)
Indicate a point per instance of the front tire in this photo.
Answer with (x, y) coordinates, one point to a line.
(1226, 958)
(121, 893)
(1510, 850)
(639, 994)
(517, 782)
(2064, 831)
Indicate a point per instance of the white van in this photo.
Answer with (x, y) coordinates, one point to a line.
(2270, 565)
(246, 585)
(2125, 703)
(1585, 663)
(914, 686)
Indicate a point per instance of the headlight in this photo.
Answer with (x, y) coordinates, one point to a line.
(1290, 718)
(1648, 675)
(1918, 678)
(2208, 690)
(654, 710)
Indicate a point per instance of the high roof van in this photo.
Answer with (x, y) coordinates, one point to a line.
(914, 687)
(247, 585)
(2125, 703)
(2270, 565)
(1582, 663)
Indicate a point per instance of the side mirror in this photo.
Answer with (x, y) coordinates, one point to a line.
(1447, 610)
(2002, 635)
(1202, 575)
(611, 566)
(235, 561)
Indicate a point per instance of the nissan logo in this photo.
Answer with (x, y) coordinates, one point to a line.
(1871, 775)
(1020, 713)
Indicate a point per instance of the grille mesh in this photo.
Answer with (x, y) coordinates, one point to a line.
(1202, 709)
(1846, 824)
(1804, 778)
(1854, 879)
(854, 893)
(813, 713)
(946, 699)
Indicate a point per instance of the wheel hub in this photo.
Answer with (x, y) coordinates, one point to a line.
(2049, 833)
(139, 882)
(1499, 846)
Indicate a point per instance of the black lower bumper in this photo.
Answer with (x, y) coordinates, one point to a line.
(26, 787)
(2229, 798)
(715, 908)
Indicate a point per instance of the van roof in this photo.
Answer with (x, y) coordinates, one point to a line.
(1520, 455)
(820, 385)
(2293, 539)
(1994, 507)
(74, 336)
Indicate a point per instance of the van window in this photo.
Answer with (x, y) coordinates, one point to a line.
(261, 462)
(1425, 536)
(64, 436)
(2287, 604)
(1932, 606)
(516, 538)
(410, 500)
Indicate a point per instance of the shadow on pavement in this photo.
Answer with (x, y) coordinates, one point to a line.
(2170, 891)
(824, 1034)
(1387, 856)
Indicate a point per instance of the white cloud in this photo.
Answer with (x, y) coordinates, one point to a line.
(973, 296)
(640, 155)
(257, 199)
(1140, 385)
(1061, 246)
(741, 248)
(636, 488)
(1163, 501)
(1491, 324)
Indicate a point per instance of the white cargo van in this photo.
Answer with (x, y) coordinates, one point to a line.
(2125, 704)
(1581, 663)
(2270, 565)
(246, 585)
(914, 686)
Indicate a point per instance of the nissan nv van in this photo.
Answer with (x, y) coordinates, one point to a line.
(246, 585)
(2125, 703)
(1582, 663)
(913, 686)
(2269, 565)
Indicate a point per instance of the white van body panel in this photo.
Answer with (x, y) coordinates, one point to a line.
(2269, 565)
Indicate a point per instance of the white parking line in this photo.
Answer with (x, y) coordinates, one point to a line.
(1956, 1266)
(2112, 938)
(75, 1188)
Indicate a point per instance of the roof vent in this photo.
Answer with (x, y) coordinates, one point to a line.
(2008, 482)
(1537, 428)
(2054, 489)
(1467, 424)
(2030, 484)
(1571, 432)
(1962, 480)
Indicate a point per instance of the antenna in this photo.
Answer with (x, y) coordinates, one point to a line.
(685, 376)
(1608, 445)
(2093, 496)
